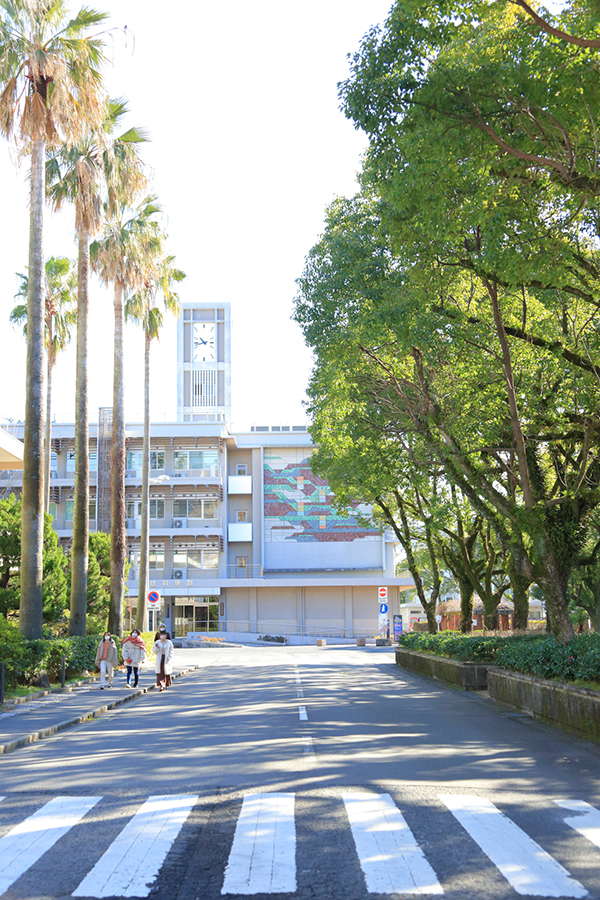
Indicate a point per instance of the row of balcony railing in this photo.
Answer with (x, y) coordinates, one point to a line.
(190, 574)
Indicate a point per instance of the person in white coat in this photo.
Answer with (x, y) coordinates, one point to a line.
(163, 648)
(134, 655)
(107, 657)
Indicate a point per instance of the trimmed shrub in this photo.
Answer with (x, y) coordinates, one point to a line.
(530, 654)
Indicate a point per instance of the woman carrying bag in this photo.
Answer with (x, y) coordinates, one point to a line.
(163, 648)
(107, 657)
(134, 655)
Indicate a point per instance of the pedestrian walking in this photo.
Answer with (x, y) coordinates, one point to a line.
(107, 657)
(134, 656)
(163, 648)
(162, 630)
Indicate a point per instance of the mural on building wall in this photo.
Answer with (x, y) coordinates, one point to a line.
(299, 504)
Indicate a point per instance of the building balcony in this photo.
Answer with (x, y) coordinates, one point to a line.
(244, 572)
(239, 531)
(177, 523)
(239, 484)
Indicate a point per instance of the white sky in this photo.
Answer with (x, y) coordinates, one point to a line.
(248, 147)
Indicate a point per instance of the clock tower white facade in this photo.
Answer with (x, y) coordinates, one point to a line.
(204, 362)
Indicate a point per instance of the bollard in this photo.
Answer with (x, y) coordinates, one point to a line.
(2, 675)
(63, 680)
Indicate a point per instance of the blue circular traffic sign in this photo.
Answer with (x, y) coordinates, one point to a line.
(153, 597)
(383, 607)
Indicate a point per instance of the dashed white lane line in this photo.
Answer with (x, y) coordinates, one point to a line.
(391, 860)
(25, 844)
(302, 714)
(298, 680)
(131, 864)
(587, 823)
(308, 745)
(263, 854)
(299, 692)
(525, 865)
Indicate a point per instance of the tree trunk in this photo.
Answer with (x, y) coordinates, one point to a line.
(141, 619)
(118, 534)
(466, 606)
(520, 590)
(48, 432)
(32, 515)
(554, 586)
(79, 552)
(490, 619)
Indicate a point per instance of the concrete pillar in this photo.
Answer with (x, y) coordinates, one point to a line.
(253, 608)
(348, 607)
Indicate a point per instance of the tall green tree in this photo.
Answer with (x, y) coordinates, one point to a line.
(54, 565)
(50, 89)
(124, 257)
(142, 306)
(102, 164)
(60, 316)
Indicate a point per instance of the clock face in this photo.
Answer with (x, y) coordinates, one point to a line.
(204, 342)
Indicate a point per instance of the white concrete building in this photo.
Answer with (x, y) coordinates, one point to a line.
(244, 537)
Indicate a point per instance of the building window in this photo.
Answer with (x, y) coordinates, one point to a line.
(71, 461)
(52, 509)
(241, 469)
(322, 522)
(241, 515)
(135, 459)
(242, 562)
(156, 559)
(69, 505)
(204, 387)
(157, 508)
(196, 559)
(93, 461)
(194, 460)
(195, 509)
(53, 465)
(92, 509)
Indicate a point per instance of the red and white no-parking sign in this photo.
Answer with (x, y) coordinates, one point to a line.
(382, 593)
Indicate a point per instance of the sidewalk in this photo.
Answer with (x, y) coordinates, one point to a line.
(24, 721)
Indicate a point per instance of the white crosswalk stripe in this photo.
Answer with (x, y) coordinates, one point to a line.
(132, 862)
(587, 823)
(524, 864)
(263, 855)
(27, 842)
(391, 860)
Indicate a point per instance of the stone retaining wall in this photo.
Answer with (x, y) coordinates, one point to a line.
(468, 676)
(577, 709)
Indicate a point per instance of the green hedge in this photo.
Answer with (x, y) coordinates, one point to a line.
(26, 660)
(530, 654)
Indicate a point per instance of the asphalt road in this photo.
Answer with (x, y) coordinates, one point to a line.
(294, 772)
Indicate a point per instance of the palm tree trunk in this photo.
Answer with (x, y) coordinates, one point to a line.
(48, 434)
(118, 533)
(141, 619)
(79, 552)
(32, 516)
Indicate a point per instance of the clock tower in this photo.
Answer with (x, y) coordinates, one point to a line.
(204, 362)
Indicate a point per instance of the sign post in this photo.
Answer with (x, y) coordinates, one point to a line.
(383, 624)
(153, 603)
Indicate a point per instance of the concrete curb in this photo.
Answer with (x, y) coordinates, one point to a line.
(79, 720)
(68, 689)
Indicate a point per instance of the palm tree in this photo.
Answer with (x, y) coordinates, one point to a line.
(77, 174)
(50, 89)
(60, 316)
(124, 258)
(142, 307)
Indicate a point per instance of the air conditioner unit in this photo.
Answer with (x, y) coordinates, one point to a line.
(177, 574)
(179, 523)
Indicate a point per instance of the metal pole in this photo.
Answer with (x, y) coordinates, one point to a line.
(2, 677)
(62, 672)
